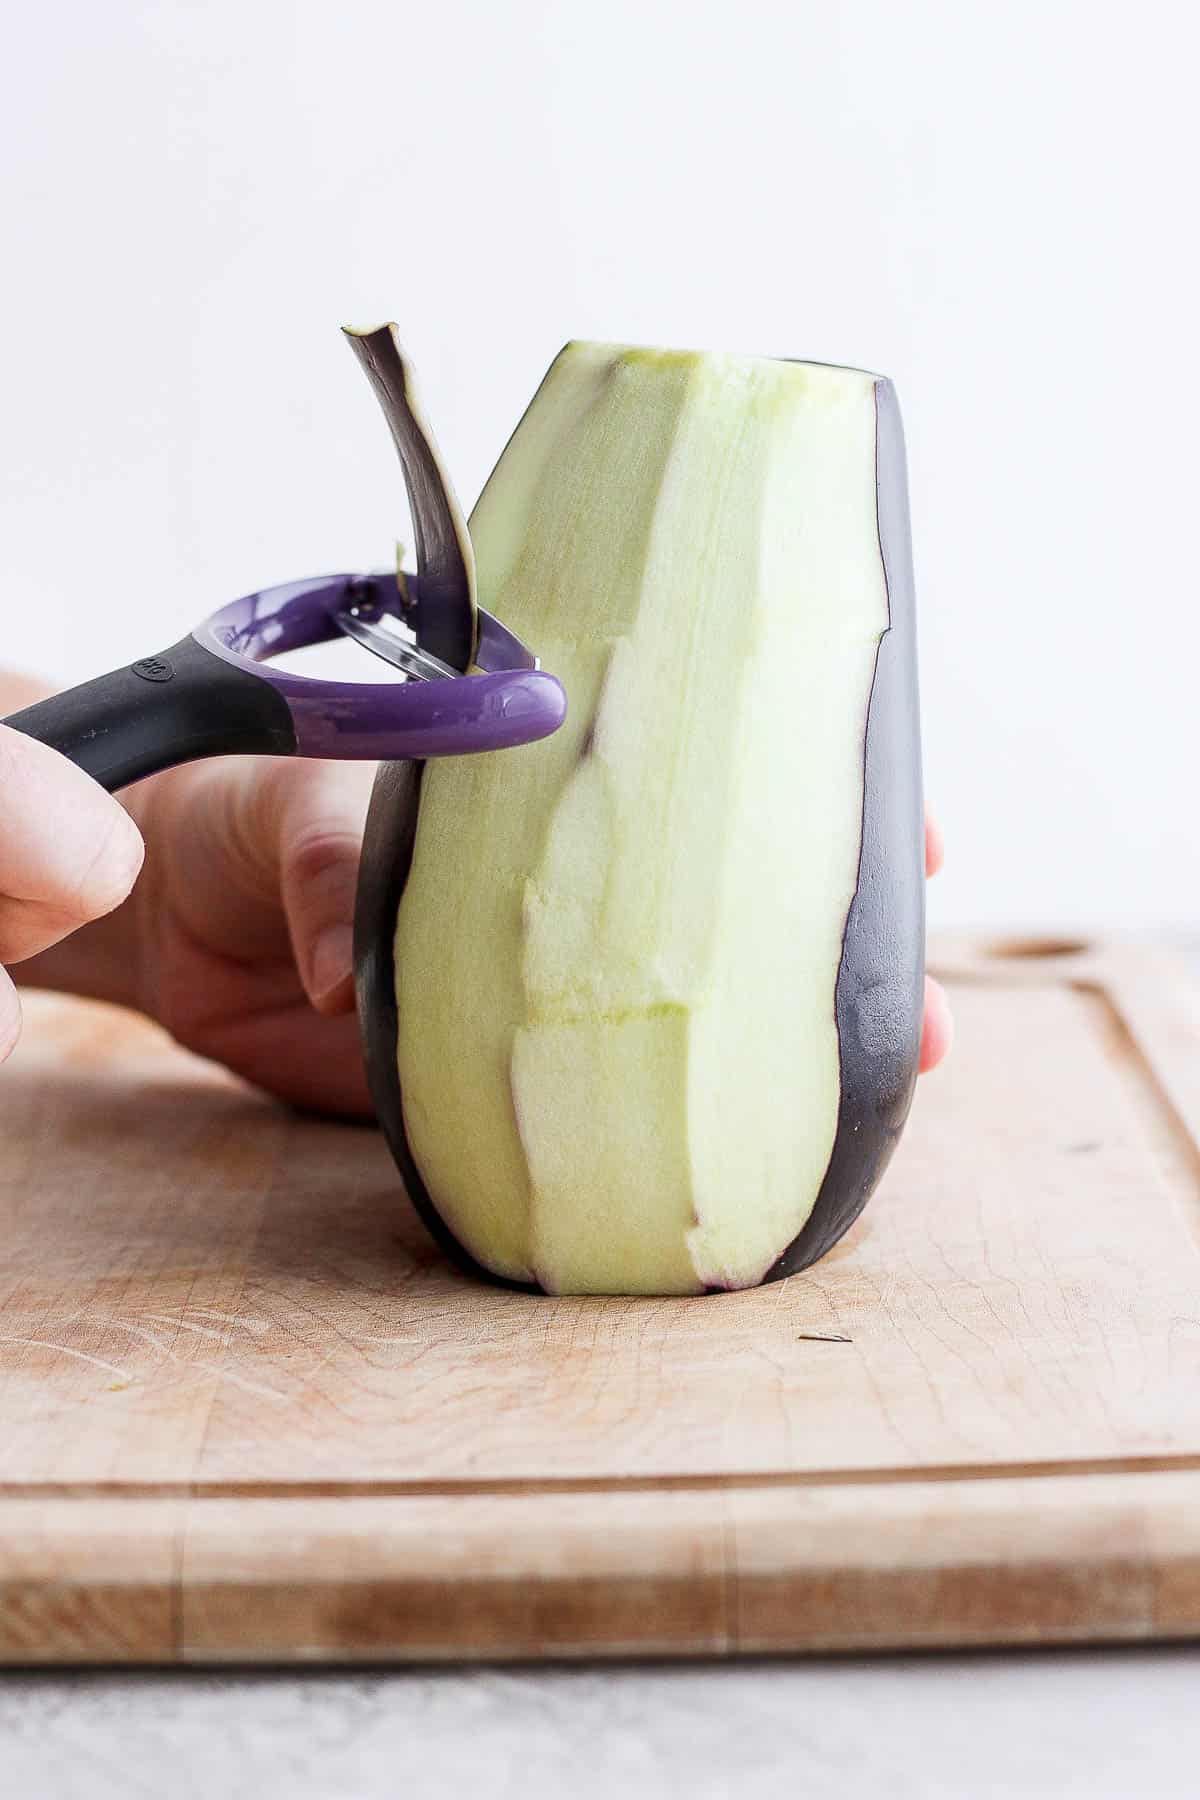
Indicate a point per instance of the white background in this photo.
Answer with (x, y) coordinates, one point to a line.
(994, 204)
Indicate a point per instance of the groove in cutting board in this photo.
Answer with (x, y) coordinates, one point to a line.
(584, 1484)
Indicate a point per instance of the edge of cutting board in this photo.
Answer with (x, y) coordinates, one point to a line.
(1088, 1558)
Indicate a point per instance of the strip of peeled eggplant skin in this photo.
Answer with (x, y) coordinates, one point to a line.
(881, 977)
(445, 616)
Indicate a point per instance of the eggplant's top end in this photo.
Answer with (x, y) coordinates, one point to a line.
(647, 356)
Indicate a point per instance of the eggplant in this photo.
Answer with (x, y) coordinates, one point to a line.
(642, 1003)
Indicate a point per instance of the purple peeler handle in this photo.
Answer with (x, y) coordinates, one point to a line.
(511, 703)
(213, 694)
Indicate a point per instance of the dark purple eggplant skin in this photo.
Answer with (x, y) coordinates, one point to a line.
(879, 998)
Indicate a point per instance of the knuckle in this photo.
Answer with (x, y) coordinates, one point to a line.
(321, 852)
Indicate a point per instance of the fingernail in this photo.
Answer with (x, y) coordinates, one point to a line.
(332, 961)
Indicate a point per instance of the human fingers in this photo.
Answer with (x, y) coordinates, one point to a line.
(322, 811)
(68, 852)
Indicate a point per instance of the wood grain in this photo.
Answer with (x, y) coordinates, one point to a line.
(247, 1411)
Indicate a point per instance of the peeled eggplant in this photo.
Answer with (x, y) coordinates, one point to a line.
(643, 1001)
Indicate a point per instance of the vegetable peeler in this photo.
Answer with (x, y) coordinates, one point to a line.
(215, 693)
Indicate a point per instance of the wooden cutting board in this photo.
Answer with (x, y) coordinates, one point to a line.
(246, 1411)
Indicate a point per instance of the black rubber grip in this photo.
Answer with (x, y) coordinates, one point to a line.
(166, 709)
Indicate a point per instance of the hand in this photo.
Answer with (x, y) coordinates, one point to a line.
(244, 920)
(246, 908)
(68, 854)
(238, 938)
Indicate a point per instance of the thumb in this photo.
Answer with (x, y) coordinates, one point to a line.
(322, 812)
(68, 852)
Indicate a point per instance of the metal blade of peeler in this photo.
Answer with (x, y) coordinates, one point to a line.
(392, 648)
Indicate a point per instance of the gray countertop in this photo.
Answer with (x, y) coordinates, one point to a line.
(1107, 1725)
